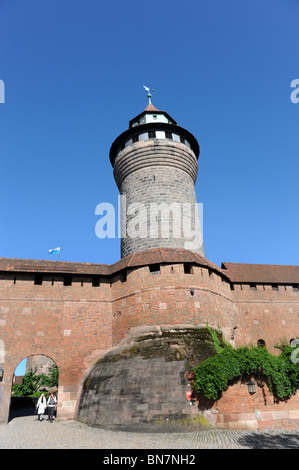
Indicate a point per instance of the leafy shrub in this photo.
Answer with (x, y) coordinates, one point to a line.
(213, 375)
(31, 383)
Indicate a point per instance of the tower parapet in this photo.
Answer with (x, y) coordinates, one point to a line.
(155, 169)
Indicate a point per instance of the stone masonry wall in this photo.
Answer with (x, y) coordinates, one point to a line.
(144, 380)
(169, 295)
(237, 409)
(66, 323)
(158, 172)
(76, 324)
(266, 313)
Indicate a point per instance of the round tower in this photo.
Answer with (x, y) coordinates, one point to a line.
(155, 169)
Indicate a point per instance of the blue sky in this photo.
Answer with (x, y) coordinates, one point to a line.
(73, 73)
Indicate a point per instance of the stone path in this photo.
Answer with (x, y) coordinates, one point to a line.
(27, 433)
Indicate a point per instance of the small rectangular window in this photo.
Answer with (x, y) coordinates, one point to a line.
(168, 135)
(182, 140)
(253, 287)
(95, 281)
(274, 287)
(38, 280)
(123, 276)
(135, 138)
(67, 281)
(151, 134)
(188, 268)
(154, 268)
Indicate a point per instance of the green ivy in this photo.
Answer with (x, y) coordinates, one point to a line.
(213, 375)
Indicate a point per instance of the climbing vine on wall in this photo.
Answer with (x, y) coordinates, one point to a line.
(213, 375)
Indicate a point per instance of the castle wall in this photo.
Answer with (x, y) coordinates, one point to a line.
(237, 409)
(66, 323)
(77, 324)
(169, 295)
(266, 312)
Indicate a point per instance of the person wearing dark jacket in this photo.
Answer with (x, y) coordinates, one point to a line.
(51, 405)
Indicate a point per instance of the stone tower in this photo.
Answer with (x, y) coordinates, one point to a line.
(155, 169)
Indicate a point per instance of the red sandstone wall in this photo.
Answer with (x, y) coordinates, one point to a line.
(72, 324)
(171, 297)
(237, 409)
(266, 314)
(66, 323)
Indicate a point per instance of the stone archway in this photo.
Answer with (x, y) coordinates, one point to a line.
(40, 366)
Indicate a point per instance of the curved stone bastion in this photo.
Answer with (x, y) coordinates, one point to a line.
(142, 383)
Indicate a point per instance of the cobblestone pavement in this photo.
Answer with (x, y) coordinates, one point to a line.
(27, 433)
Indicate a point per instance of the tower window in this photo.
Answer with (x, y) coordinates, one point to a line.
(95, 281)
(154, 116)
(135, 138)
(151, 134)
(274, 287)
(252, 287)
(123, 276)
(38, 280)
(154, 268)
(182, 140)
(168, 135)
(67, 281)
(188, 268)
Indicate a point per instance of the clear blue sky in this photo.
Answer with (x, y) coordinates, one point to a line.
(73, 73)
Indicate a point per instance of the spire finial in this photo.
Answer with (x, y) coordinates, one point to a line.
(149, 95)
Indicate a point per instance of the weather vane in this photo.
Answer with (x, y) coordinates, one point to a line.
(149, 95)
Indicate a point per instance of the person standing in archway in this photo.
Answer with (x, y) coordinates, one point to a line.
(51, 405)
(41, 406)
